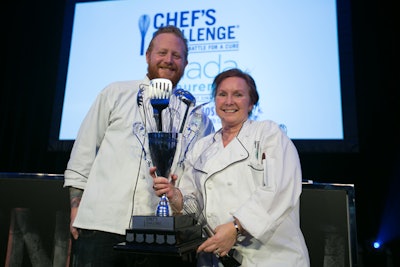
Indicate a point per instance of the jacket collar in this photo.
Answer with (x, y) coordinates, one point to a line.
(216, 157)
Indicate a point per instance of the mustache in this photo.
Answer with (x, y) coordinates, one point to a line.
(170, 67)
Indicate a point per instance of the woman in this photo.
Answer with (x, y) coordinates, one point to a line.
(247, 179)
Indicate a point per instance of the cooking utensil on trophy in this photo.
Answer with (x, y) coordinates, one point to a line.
(162, 146)
(187, 98)
(192, 130)
(160, 90)
(191, 206)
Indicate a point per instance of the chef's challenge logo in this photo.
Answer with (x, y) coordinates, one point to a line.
(200, 27)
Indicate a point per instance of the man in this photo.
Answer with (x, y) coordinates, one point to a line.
(107, 173)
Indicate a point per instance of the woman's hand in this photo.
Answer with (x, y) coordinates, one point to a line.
(223, 240)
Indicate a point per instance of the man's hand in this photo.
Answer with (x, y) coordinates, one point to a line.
(162, 185)
(75, 196)
(73, 230)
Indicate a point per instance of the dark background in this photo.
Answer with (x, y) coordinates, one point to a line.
(31, 41)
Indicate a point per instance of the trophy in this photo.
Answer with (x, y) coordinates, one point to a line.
(175, 232)
(163, 139)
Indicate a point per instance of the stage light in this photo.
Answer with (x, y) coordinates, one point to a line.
(377, 245)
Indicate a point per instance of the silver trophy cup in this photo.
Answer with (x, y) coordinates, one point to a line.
(162, 147)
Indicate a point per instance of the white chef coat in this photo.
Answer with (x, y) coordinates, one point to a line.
(108, 162)
(256, 178)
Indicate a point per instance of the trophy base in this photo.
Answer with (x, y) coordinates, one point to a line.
(163, 237)
(169, 230)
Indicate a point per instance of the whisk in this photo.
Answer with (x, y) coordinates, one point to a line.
(191, 206)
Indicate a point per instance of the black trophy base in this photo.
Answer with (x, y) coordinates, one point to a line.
(168, 230)
(164, 237)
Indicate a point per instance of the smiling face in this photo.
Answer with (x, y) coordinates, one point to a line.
(232, 101)
(166, 58)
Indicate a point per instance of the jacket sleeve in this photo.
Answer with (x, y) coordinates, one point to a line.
(87, 143)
